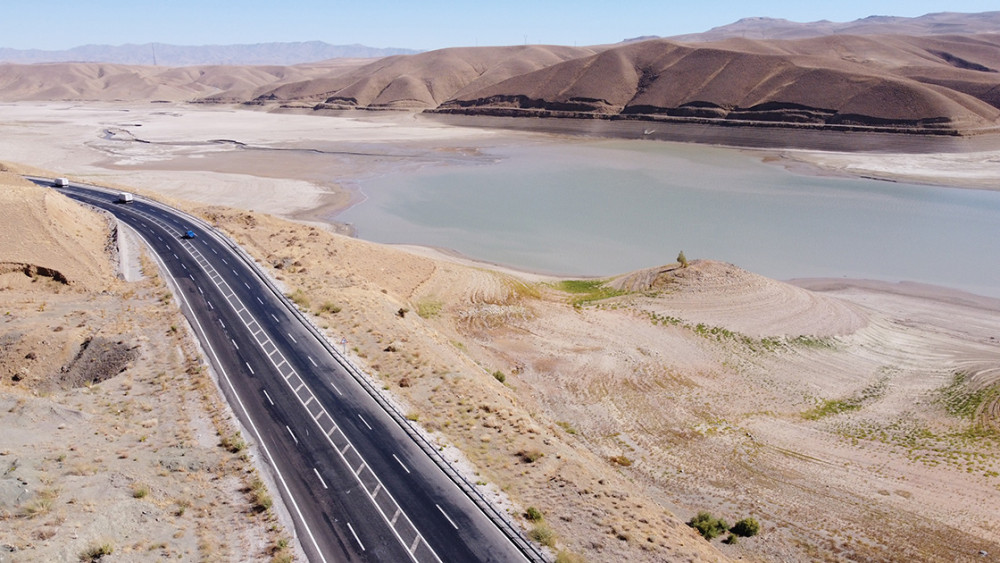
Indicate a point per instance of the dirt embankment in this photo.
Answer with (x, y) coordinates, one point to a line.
(112, 428)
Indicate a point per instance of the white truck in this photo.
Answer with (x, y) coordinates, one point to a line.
(61, 183)
(125, 197)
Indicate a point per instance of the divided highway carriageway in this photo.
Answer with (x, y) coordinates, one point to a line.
(360, 483)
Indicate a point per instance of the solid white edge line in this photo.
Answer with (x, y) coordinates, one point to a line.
(322, 482)
(268, 397)
(400, 463)
(292, 433)
(239, 401)
(443, 513)
(356, 538)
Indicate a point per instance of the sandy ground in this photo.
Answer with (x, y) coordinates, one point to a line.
(111, 425)
(978, 170)
(854, 420)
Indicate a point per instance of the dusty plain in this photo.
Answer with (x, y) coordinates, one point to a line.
(854, 420)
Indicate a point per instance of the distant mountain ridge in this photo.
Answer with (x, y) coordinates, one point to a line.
(163, 54)
(941, 23)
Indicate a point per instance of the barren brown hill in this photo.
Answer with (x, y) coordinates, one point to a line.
(114, 82)
(424, 80)
(940, 83)
(943, 84)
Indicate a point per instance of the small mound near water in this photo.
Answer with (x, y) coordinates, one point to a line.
(721, 294)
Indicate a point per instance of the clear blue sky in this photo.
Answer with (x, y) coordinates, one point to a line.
(433, 24)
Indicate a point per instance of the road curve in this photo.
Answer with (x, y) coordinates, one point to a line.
(360, 482)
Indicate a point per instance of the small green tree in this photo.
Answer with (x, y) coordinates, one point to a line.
(682, 259)
(747, 527)
(708, 526)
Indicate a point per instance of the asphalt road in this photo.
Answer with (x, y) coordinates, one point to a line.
(359, 483)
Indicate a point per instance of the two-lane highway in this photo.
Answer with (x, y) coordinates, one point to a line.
(360, 484)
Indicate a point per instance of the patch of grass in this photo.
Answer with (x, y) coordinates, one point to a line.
(830, 407)
(524, 290)
(41, 504)
(567, 427)
(329, 307)
(300, 298)
(960, 400)
(568, 557)
(96, 552)
(530, 456)
(429, 308)
(542, 534)
(588, 291)
(259, 496)
(620, 460)
(234, 442)
(140, 491)
(812, 341)
(499, 376)
(533, 514)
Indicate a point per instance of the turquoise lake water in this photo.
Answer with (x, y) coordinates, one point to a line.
(607, 207)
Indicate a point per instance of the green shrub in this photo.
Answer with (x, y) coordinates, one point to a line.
(708, 526)
(262, 500)
(499, 376)
(747, 527)
(234, 442)
(533, 514)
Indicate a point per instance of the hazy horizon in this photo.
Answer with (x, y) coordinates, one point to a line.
(59, 25)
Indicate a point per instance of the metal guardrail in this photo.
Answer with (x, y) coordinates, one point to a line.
(500, 519)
